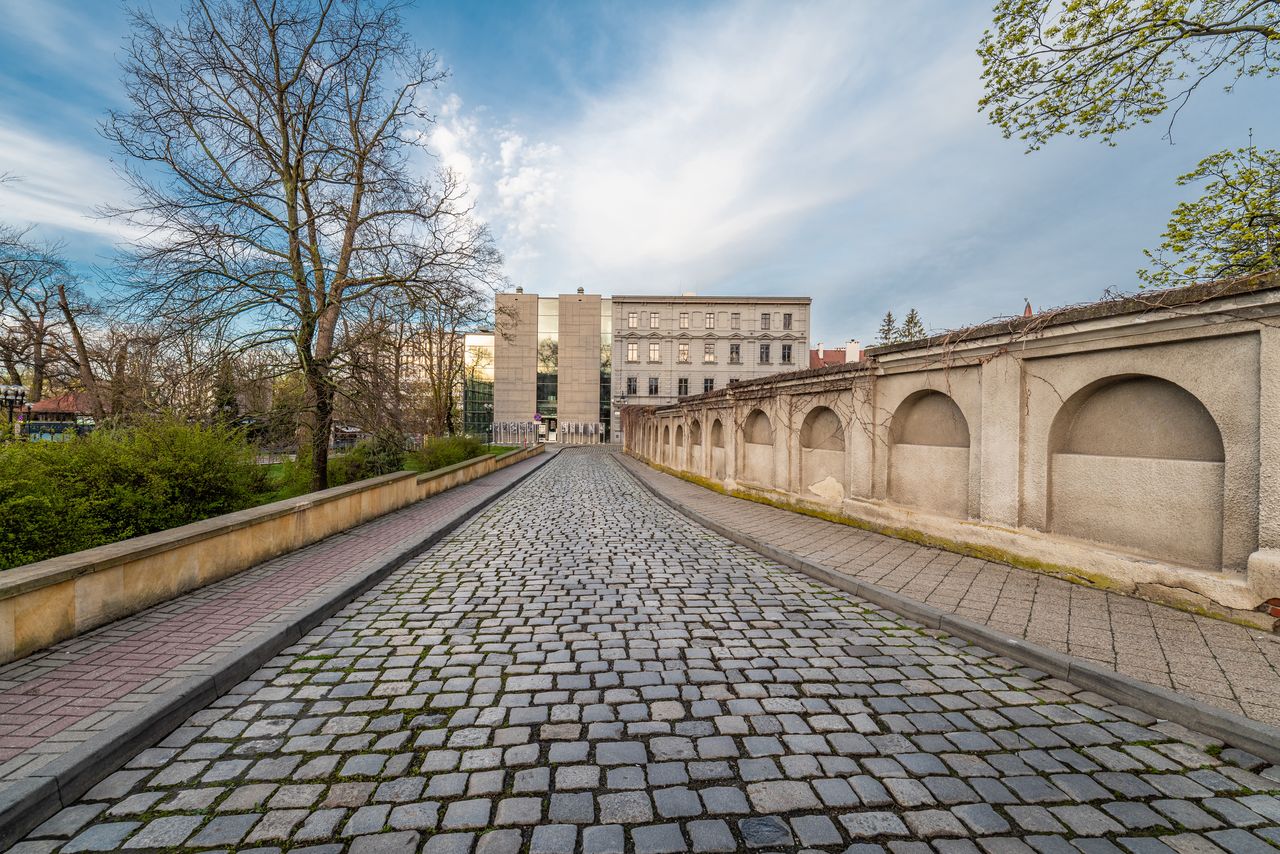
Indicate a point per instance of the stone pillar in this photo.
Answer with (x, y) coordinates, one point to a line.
(1000, 439)
(1264, 564)
(859, 439)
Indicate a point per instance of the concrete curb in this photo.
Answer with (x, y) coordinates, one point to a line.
(27, 803)
(1236, 730)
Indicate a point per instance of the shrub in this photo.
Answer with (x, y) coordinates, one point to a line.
(446, 451)
(116, 483)
(382, 454)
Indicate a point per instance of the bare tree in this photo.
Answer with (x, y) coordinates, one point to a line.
(273, 147)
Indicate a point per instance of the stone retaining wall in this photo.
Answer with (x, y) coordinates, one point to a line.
(45, 602)
(1133, 443)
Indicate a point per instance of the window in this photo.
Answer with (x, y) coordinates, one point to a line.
(683, 351)
(653, 320)
(708, 384)
(631, 385)
(764, 320)
(633, 320)
(682, 386)
(633, 351)
(764, 354)
(655, 351)
(709, 351)
(786, 354)
(735, 321)
(653, 386)
(786, 321)
(711, 320)
(684, 320)
(735, 354)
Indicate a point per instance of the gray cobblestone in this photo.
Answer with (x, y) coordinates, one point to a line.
(578, 654)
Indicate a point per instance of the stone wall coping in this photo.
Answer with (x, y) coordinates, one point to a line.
(54, 570)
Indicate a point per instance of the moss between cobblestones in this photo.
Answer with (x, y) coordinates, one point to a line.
(1075, 575)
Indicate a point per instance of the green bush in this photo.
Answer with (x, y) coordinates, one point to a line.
(60, 497)
(446, 451)
(369, 458)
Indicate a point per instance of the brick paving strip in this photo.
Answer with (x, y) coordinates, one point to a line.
(581, 670)
(1217, 663)
(67, 713)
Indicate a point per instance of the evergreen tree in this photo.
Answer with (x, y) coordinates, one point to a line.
(912, 328)
(888, 329)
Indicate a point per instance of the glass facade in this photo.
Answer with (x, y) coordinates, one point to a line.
(477, 385)
(606, 361)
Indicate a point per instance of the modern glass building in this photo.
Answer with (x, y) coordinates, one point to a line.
(553, 365)
(477, 385)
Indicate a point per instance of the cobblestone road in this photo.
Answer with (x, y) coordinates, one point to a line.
(578, 669)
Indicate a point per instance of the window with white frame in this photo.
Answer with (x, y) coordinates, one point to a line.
(633, 351)
(655, 351)
(710, 320)
(764, 354)
(764, 320)
(735, 321)
(786, 321)
(709, 351)
(653, 386)
(653, 320)
(632, 382)
(633, 320)
(683, 350)
(735, 353)
(682, 386)
(786, 354)
(708, 384)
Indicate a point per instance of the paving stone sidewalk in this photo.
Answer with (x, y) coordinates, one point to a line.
(579, 670)
(57, 698)
(1220, 663)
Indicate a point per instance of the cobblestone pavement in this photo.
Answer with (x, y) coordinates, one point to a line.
(55, 699)
(580, 670)
(1226, 665)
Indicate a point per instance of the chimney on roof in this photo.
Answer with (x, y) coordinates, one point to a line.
(819, 349)
(1027, 312)
(853, 351)
(581, 291)
(519, 289)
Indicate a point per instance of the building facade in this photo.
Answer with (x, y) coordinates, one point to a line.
(672, 347)
(551, 367)
(566, 364)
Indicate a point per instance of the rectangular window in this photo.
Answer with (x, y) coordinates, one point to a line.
(786, 354)
(633, 320)
(684, 351)
(709, 351)
(655, 351)
(633, 351)
(764, 354)
(631, 385)
(708, 384)
(710, 320)
(653, 386)
(764, 320)
(684, 320)
(682, 386)
(735, 321)
(735, 354)
(653, 320)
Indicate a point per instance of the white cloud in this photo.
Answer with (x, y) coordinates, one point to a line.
(58, 186)
(744, 124)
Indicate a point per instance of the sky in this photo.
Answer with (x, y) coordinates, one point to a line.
(828, 149)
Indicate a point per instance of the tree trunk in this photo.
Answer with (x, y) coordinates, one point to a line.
(82, 357)
(37, 371)
(322, 394)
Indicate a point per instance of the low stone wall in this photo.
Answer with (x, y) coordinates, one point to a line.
(1133, 444)
(43, 603)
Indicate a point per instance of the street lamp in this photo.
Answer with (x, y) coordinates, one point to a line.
(12, 396)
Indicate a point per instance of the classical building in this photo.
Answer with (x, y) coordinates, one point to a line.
(672, 347)
(563, 362)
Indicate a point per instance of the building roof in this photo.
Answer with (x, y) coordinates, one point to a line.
(73, 402)
(716, 299)
(830, 356)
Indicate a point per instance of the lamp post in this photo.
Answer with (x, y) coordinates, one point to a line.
(12, 396)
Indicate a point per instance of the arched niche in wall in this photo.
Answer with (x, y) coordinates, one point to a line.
(1138, 462)
(677, 458)
(718, 462)
(666, 443)
(822, 456)
(757, 448)
(695, 445)
(929, 455)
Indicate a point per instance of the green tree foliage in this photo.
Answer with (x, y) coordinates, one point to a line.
(912, 327)
(1233, 229)
(1099, 67)
(888, 332)
(60, 497)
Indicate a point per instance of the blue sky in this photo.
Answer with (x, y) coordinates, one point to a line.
(832, 149)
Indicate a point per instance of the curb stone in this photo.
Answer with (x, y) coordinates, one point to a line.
(1236, 730)
(27, 803)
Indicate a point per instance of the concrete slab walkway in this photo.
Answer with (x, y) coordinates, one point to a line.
(1222, 664)
(55, 700)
